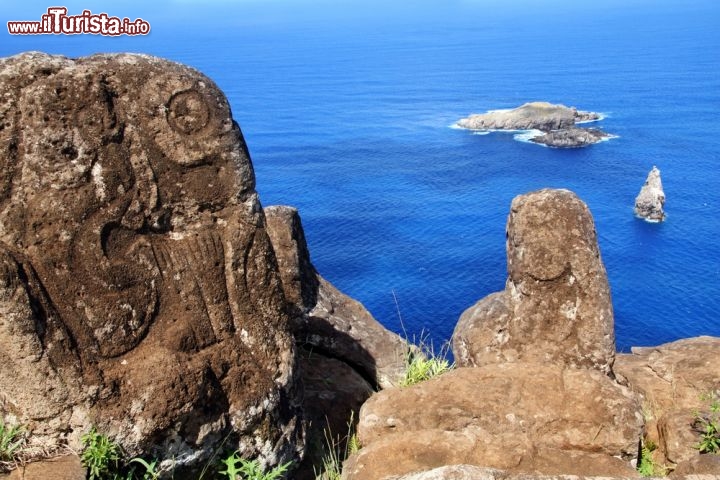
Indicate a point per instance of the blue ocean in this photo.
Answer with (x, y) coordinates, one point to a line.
(346, 107)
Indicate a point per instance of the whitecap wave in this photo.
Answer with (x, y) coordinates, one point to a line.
(526, 136)
(608, 138)
(481, 132)
(601, 116)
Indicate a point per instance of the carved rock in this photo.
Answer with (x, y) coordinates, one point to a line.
(139, 291)
(556, 306)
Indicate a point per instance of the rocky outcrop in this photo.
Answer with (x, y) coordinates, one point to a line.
(674, 381)
(556, 124)
(139, 289)
(530, 116)
(516, 417)
(328, 321)
(556, 306)
(650, 201)
(345, 353)
(571, 137)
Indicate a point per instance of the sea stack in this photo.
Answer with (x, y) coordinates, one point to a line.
(651, 199)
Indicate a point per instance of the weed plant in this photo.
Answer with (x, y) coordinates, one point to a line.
(708, 425)
(11, 441)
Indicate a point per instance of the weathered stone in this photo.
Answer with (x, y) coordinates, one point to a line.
(650, 201)
(139, 291)
(469, 472)
(677, 437)
(673, 380)
(674, 375)
(67, 467)
(556, 306)
(518, 417)
(328, 321)
(334, 393)
(697, 468)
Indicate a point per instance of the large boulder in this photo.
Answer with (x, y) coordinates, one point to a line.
(556, 306)
(523, 418)
(139, 290)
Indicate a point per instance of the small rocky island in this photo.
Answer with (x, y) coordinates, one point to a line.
(650, 201)
(556, 124)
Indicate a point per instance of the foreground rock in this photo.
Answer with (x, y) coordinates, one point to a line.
(571, 137)
(556, 306)
(650, 201)
(674, 381)
(470, 472)
(139, 290)
(517, 417)
(556, 124)
(530, 116)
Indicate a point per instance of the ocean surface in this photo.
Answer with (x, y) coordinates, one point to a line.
(347, 107)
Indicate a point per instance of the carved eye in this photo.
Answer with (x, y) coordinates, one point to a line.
(187, 112)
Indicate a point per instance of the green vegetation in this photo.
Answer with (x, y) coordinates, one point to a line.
(237, 468)
(422, 363)
(151, 470)
(11, 441)
(647, 467)
(100, 455)
(338, 449)
(104, 460)
(708, 425)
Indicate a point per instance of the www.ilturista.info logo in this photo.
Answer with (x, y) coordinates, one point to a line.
(56, 21)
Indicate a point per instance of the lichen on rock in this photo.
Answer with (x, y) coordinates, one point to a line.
(140, 291)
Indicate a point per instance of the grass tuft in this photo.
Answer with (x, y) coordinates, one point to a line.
(338, 449)
(422, 363)
(11, 441)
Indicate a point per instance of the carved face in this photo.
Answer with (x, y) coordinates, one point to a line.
(129, 177)
(128, 195)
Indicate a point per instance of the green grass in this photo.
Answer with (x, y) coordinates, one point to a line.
(338, 449)
(421, 361)
(11, 441)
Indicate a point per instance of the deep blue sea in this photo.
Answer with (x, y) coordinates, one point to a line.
(346, 108)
